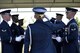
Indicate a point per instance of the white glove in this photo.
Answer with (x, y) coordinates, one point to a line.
(45, 20)
(58, 39)
(22, 36)
(18, 39)
(53, 36)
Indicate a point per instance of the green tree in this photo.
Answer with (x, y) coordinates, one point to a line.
(78, 21)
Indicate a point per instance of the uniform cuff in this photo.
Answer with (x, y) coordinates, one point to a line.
(66, 39)
(10, 39)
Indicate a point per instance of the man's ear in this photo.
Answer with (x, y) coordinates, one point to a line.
(74, 13)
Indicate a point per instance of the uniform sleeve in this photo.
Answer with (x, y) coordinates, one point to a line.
(15, 33)
(26, 41)
(73, 33)
(55, 27)
(52, 20)
(21, 31)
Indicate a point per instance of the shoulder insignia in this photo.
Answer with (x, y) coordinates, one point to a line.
(3, 30)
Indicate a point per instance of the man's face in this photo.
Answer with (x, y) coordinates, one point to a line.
(15, 19)
(7, 16)
(69, 14)
(58, 17)
(20, 23)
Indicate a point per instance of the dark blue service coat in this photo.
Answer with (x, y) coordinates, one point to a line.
(20, 44)
(41, 37)
(17, 31)
(5, 34)
(71, 42)
(57, 33)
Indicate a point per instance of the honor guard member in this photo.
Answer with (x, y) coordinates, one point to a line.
(16, 34)
(20, 26)
(71, 38)
(21, 30)
(58, 34)
(41, 33)
(5, 33)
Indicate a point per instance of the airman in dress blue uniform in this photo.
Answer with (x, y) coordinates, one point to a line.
(21, 30)
(71, 35)
(58, 33)
(20, 26)
(5, 33)
(41, 33)
(16, 34)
